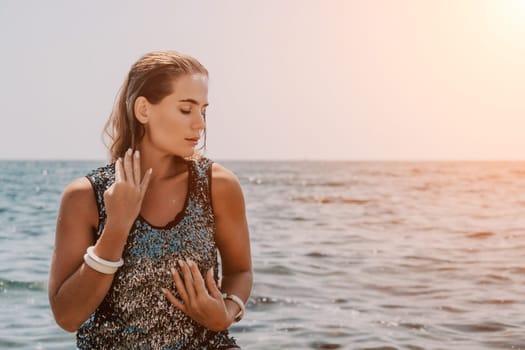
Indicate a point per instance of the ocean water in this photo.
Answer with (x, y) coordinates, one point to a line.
(347, 255)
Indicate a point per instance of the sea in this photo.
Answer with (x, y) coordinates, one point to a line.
(347, 255)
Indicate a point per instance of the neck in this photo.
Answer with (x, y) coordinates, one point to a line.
(165, 166)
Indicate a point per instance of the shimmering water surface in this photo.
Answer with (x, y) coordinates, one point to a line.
(347, 255)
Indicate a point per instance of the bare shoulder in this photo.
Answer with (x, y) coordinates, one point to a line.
(80, 186)
(225, 188)
(79, 197)
(223, 177)
(79, 190)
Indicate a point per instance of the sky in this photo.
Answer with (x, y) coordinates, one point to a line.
(289, 79)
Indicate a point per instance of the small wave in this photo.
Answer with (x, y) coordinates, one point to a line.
(447, 269)
(451, 309)
(255, 180)
(316, 255)
(427, 258)
(8, 344)
(6, 285)
(299, 218)
(321, 184)
(291, 329)
(393, 306)
(275, 270)
(478, 327)
(416, 326)
(423, 188)
(518, 270)
(264, 300)
(323, 345)
(506, 344)
(494, 301)
(481, 235)
(333, 184)
(261, 300)
(329, 200)
(392, 222)
(497, 277)
(410, 291)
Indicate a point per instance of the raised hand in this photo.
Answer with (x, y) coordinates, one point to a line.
(123, 199)
(204, 305)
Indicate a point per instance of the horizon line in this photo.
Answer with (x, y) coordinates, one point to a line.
(393, 160)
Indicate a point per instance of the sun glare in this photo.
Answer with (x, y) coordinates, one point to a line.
(504, 20)
(516, 10)
(511, 13)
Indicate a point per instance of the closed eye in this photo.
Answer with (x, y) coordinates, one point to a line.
(203, 112)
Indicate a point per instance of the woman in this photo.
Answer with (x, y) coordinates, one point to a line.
(135, 264)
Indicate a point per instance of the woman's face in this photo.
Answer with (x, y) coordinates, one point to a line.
(175, 124)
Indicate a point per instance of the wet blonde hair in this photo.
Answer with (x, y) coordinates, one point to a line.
(151, 76)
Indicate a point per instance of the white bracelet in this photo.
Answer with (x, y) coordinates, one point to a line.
(237, 301)
(107, 263)
(95, 265)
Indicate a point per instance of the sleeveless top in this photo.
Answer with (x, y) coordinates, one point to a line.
(134, 313)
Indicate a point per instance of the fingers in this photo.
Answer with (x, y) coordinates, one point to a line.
(136, 167)
(180, 286)
(198, 281)
(128, 169)
(197, 303)
(191, 284)
(118, 170)
(188, 292)
(212, 286)
(188, 279)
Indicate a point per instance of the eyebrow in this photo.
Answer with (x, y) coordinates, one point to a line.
(192, 101)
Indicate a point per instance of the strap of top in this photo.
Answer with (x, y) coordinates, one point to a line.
(202, 182)
(101, 178)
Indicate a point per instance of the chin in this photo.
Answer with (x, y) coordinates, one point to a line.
(184, 154)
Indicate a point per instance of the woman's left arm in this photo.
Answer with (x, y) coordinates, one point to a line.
(232, 236)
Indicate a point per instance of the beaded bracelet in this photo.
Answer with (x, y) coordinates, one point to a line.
(237, 301)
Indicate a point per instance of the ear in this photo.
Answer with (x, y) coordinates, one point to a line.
(141, 109)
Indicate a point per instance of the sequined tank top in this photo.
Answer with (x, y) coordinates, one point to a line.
(135, 314)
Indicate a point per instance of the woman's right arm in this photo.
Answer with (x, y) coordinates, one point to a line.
(75, 289)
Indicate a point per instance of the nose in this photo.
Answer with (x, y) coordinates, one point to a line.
(199, 123)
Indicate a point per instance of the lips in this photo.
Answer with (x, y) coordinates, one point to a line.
(194, 139)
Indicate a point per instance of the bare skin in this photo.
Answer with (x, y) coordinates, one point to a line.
(76, 290)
